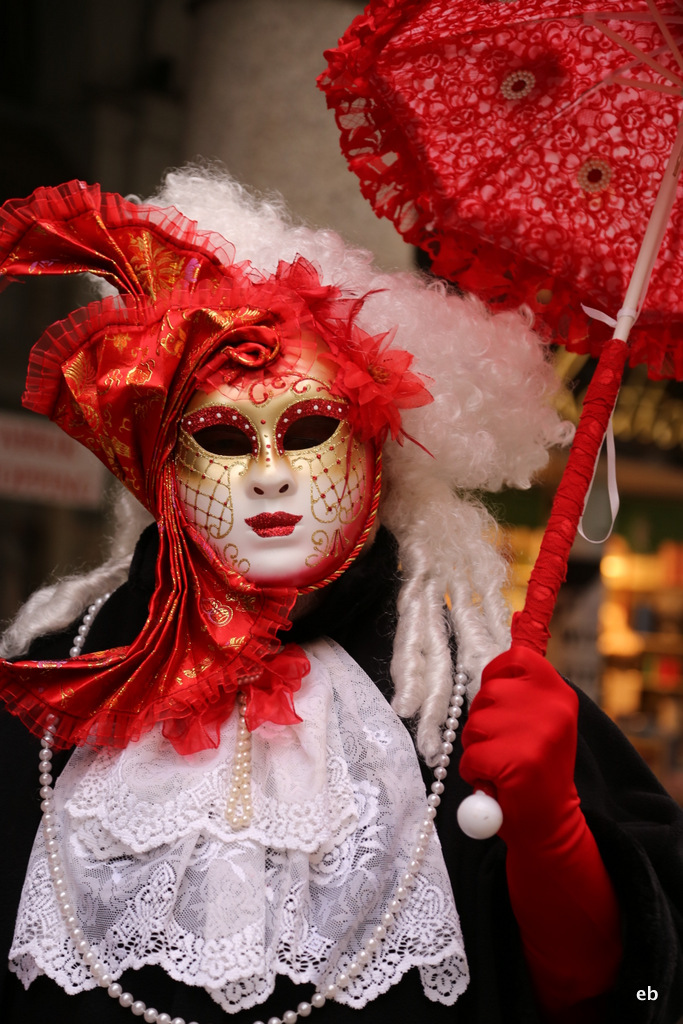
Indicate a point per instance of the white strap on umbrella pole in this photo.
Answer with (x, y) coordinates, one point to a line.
(635, 297)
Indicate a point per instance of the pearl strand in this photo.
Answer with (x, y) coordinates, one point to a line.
(239, 809)
(152, 1016)
(84, 628)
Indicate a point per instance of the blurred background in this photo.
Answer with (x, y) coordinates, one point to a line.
(120, 94)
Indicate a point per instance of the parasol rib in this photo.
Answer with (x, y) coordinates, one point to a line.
(650, 86)
(636, 16)
(664, 29)
(632, 48)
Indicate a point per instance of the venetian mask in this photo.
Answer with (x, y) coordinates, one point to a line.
(271, 476)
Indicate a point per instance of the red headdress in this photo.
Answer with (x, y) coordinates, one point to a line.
(117, 375)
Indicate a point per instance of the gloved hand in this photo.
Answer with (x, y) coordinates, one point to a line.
(520, 742)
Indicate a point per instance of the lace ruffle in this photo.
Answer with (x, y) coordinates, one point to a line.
(159, 876)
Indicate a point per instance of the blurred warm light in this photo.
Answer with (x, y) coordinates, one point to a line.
(628, 571)
(615, 568)
(624, 644)
(616, 638)
(621, 691)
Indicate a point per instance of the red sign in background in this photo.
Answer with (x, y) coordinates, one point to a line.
(38, 462)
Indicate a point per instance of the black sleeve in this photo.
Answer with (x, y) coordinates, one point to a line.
(639, 831)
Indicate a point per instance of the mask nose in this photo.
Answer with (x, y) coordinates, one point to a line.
(271, 480)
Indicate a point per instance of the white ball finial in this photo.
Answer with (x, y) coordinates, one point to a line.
(480, 816)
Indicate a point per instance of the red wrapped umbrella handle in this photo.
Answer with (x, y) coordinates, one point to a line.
(479, 815)
(530, 627)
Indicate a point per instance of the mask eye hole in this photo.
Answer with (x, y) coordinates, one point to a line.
(309, 424)
(222, 431)
(308, 432)
(224, 440)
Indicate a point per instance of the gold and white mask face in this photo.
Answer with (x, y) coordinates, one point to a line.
(270, 475)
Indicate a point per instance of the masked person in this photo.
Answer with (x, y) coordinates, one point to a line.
(243, 826)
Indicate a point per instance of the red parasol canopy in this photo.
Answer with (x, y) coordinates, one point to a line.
(533, 150)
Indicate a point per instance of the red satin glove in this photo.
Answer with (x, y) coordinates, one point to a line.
(520, 741)
(520, 738)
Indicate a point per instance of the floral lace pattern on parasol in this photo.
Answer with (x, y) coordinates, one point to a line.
(523, 150)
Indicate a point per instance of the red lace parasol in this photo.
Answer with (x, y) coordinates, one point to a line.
(533, 150)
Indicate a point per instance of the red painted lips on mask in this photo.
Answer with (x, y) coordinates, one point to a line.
(273, 524)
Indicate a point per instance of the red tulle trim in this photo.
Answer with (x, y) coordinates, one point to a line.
(378, 150)
(507, 280)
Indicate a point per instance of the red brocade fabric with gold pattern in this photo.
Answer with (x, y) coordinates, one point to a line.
(117, 375)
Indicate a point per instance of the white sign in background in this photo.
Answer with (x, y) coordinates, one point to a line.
(39, 462)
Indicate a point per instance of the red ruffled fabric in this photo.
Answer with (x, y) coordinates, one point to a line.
(117, 376)
(77, 228)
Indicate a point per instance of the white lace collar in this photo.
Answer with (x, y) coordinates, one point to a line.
(159, 876)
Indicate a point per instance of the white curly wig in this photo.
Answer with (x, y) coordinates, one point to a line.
(490, 426)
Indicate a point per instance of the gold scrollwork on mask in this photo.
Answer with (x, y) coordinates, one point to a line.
(231, 557)
(204, 487)
(325, 545)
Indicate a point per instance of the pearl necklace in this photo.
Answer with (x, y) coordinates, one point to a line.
(84, 627)
(238, 810)
(240, 778)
